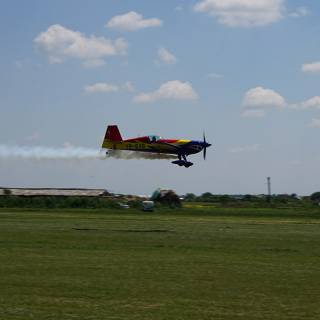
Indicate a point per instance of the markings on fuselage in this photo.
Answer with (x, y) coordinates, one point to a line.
(136, 146)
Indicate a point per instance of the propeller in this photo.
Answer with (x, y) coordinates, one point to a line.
(205, 145)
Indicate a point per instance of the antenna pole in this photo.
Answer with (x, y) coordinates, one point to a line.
(269, 188)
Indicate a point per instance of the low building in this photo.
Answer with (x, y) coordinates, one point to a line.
(63, 192)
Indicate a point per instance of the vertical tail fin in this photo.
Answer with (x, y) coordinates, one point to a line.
(112, 135)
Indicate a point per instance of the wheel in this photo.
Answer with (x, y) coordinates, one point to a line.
(188, 164)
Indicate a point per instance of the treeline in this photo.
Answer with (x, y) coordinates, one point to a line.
(57, 202)
(169, 200)
(74, 202)
(254, 200)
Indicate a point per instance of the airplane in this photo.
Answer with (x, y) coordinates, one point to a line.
(155, 144)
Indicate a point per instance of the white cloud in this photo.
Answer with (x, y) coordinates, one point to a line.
(214, 75)
(61, 43)
(166, 56)
(260, 97)
(313, 67)
(94, 63)
(300, 12)
(19, 64)
(132, 21)
(101, 87)
(250, 148)
(175, 90)
(257, 100)
(315, 123)
(312, 103)
(128, 86)
(253, 113)
(33, 137)
(243, 13)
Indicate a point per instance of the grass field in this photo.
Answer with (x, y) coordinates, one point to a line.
(179, 264)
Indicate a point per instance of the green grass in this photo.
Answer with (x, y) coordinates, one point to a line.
(202, 263)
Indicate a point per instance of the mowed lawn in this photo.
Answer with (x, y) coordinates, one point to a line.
(185, 264)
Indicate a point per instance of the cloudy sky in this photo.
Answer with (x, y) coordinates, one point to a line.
(245, 71)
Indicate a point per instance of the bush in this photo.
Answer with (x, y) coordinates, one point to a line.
(56, 202)
(168, 198)
(315, 197)
(190, 197)
(7, 192)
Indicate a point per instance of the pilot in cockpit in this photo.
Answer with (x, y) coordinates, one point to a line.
(154, 138)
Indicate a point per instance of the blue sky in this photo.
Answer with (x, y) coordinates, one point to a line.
(246, 72)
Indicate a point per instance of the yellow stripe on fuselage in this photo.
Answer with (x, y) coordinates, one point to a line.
(125, 145)
(141, 146)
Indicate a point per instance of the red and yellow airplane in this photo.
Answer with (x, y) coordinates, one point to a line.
(155, 144)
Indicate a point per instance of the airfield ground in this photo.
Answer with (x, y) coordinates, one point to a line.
(196, 263)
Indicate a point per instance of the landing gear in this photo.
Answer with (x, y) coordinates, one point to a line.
(188, 164)
(183, 161)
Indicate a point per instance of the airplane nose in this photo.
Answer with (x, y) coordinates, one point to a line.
(206, 144)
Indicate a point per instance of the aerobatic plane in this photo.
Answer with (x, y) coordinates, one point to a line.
(155, 144)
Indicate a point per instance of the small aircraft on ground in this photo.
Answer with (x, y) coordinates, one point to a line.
(155, 144)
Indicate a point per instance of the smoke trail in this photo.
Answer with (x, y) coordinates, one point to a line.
(73, 153)
(49, 153)
(127, 155)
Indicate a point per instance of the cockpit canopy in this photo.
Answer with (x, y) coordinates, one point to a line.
(154, 138)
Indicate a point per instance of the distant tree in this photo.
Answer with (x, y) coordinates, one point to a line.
(172, 199)
(168, 197)
(190, 197)
(224, 198)
(315, 197)
(281, 199)
(207, 195)
(7, 192)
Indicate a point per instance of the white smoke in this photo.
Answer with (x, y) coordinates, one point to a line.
(127, 155)
(73, 153)
(49, 153)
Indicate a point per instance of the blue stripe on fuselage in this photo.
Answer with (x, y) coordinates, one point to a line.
(192, 147)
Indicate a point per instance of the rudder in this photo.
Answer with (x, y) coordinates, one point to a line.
(112, 134)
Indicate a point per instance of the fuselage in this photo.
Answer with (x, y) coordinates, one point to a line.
(157, 145)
